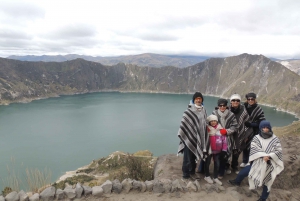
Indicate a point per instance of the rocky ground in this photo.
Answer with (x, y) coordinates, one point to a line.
(285, 187)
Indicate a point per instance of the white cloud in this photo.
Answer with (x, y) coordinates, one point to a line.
(117, 27)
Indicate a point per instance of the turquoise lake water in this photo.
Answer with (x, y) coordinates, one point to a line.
(68, 132)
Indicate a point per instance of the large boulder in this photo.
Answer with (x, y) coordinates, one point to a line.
(60, 194)
(78, 190)
(12, 196)
(23, 196)
(70, 192)
(116, 186)
(97, 191)
(107, 186)
(158, 187)
(149, 185)
(87, 190)
(48, 194)
(34, 197)
(127, 185)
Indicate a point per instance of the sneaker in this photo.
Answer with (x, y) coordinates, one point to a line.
(217, 181)
(243, 165)
(209, 180)
(236, 170)
(228, 171)
(232, 182)
(220, 177)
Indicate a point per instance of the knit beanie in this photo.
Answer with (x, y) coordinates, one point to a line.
(251, 95)
(235, 97)
(222, 101)
(265, 123)
(211, 118)
(196, 95)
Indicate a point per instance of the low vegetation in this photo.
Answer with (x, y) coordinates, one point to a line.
(118, 165)
(35, 180)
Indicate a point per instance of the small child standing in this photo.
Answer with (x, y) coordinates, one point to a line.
(218, 144)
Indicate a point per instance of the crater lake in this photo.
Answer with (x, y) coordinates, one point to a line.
(68, 132)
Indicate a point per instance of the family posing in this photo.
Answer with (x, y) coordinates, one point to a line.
(221, 137)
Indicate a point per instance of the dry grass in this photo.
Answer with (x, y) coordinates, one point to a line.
(292, 129)
(13, 180)
(37, 180)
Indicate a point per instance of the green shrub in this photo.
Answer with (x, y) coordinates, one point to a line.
(6, 191)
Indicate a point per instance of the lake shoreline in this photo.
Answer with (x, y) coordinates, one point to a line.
(145, 92)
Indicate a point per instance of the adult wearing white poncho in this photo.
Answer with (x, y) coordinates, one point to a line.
(266, 161)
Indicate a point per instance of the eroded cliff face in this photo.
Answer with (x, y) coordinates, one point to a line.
(273, 83)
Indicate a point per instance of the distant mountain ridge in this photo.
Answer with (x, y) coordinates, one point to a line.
(147, 59)
(272, 82)
(292, 64)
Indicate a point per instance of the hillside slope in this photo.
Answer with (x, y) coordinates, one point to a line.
(274, 84)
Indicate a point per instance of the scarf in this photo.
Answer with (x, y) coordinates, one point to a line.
(261, 172)
(193, 133)
(265, 135)
(223, 117)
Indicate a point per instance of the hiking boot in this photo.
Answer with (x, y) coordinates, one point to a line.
(243, 165)
(232, 182)
(217, 181)
(209, 180)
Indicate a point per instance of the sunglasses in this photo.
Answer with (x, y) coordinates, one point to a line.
(235, 100)
(222, 105)
(250, 99)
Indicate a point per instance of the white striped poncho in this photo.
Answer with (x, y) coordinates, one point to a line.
(193, 133)
(262, 173)
(230, 126)
(243, 132)
(256, 116)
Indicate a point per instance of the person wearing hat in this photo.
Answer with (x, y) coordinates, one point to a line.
(238, 138)
(228, 121)
(266, 161)
(256, 115)
(194, 140)
(218, 144)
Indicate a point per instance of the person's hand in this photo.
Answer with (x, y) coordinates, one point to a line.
(223, 131)
(247, 123)
(266, 158)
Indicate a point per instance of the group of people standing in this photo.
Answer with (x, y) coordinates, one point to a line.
(230, 130)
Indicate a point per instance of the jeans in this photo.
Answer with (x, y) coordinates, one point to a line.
(246, 154)
(189, 163)
(201, 166)
(234, 161)
(216, 165)
(244, 173)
